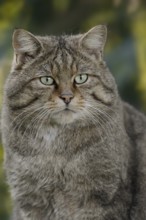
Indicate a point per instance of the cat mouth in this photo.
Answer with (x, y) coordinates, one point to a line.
(65, 111)
(65, 115)
(68, 110)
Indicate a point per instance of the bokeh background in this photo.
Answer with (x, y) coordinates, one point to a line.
(125, 50)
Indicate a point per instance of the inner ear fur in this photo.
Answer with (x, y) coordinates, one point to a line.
(94, 40)
(26, 46)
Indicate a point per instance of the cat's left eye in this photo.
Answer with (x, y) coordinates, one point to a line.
(80, 79)
(47, 80)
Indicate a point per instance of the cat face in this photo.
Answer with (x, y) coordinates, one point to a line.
(61, 79)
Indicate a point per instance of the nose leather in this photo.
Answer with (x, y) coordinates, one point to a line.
(67, 96)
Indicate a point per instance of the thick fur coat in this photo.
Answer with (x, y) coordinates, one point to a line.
(73, 149)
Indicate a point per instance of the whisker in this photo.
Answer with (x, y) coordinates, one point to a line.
(110, 120)
(42, 118)
(94, 121)
(23, 116)
(33, 123)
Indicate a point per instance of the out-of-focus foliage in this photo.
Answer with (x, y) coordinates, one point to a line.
(125, 50)
(8, 12)
(139, 32)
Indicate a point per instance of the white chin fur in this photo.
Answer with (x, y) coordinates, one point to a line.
(65, 117)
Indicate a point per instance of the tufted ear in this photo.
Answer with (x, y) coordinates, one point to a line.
(94, 40)
(26, 46)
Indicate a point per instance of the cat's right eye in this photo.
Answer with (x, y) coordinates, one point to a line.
(47, 80)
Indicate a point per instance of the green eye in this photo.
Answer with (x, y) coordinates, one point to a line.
(80, 79)
(47, 80)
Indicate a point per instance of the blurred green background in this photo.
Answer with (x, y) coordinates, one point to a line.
(125, 50)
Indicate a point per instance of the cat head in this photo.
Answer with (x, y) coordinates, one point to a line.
(62, 79)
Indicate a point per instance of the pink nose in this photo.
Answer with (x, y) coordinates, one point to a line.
(67, 96)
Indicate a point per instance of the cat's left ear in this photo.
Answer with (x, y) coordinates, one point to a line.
(26, 46)
(94, 40)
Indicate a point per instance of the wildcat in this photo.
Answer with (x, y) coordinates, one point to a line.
(73, 149)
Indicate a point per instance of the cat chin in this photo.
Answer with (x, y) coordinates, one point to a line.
(65, 117)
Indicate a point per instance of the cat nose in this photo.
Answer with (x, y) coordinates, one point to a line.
(67, 96)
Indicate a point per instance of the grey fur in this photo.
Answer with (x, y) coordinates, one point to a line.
(86, 162)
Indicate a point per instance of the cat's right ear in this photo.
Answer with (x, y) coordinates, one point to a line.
(26, 46)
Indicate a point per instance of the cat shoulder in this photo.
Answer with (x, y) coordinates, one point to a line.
(135, 121)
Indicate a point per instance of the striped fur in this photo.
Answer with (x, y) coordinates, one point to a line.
(71, 150)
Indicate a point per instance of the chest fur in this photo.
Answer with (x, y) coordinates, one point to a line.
(66, 169)
(65, 177)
